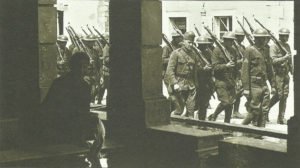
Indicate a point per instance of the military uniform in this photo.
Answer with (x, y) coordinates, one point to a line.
(224, 78)
(105, 73)
(281, 67)
(63, 56)
(95, 68)
(181, 72)
(204, 78)
(240, 35)
(166, 52)
(256, 70)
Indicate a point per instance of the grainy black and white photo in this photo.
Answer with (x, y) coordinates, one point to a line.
(149, 84)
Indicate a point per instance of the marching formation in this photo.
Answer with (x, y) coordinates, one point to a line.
(196, 67)
(96, 46)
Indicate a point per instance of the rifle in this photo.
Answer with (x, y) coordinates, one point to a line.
(103, 38)
(84, 31)
(197, 30)
(274, 39)
(176, 28)
(218, 43)
(235, 44)
(72, 38)
(164, 37)
(248, 36)
(97, 41)
(60, 55)
(250, 26)
(81, 45)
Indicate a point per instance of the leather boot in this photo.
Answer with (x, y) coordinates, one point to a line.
(282, 107)
(218, 110)
(248, 119)
(228, 112)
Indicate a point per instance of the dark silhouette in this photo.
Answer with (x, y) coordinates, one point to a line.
(65, 110)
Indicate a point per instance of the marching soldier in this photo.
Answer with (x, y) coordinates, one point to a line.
(211, 46)
(105, 71)
(64, 55)
(176, 39)
(181, 75)
(95, 66)
(224, 72)
(204, 78)
(282, 66)
(256, 70)
(240, 36)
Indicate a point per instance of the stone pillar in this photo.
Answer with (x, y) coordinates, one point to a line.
(135, 100)
(47, 26)
(293, 143)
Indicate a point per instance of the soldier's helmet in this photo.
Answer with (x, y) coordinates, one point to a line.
(239, 31)
(229, 35)
(260, 32)
(284, 31)
(189, 36)
(175, 34)
(209, 36)
(62, 38)
(90, 37)
(202, 40)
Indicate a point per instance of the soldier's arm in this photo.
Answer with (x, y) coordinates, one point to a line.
(165, 55)
(106, 55)
(245, 70)
(171, 68)
(277, 57)
(216, 63)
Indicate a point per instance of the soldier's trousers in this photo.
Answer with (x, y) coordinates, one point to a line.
(258, 104)
(103, 87)
(282, 91)
(203, 97)
(186, 98)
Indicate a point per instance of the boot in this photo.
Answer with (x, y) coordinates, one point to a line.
(282, 107)
(218, 110)
(228, 111)
(248, 119)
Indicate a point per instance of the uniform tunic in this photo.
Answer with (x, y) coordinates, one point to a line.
(281, 69)
(224, 76)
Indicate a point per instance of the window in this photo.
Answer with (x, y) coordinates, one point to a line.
(180, 22)
(224, 24)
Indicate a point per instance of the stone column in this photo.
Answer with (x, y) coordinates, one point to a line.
(135, 100)
(47, 26)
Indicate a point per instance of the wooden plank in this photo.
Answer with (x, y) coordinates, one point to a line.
(232, 127)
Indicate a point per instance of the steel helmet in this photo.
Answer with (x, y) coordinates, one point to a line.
(284, 31)
(239, 31)
(208, 36)
(189, 36)
(202, 40)
(229, 35)
(90, 37)
(260, 32)
(62, 38)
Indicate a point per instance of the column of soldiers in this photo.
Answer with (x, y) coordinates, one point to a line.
(193, 69)
(97, 49)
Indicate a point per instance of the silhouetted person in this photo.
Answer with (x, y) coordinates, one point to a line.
(67, 118)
